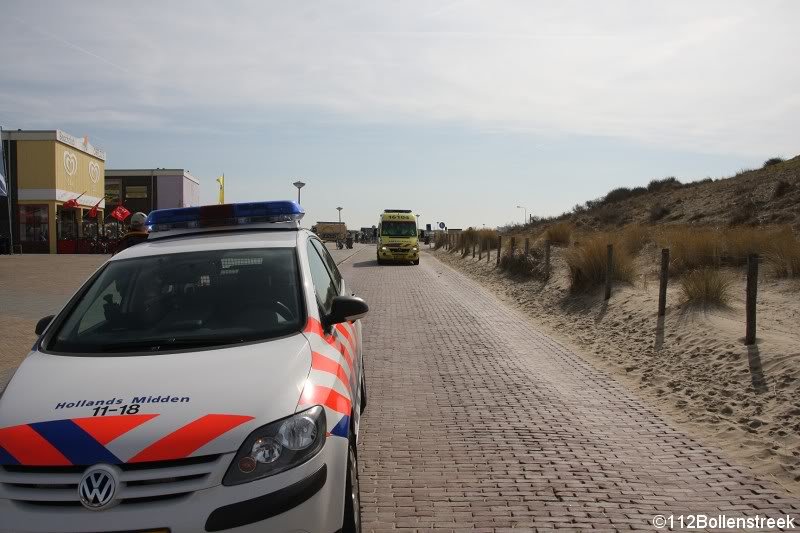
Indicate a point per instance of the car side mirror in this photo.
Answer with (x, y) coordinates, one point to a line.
(346, 309)
(43, 323)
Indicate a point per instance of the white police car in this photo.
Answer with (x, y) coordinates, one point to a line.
(209, 379)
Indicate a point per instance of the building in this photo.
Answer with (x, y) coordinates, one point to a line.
(152, 188)
(46, 170)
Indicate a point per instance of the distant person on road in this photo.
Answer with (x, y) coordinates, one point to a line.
(136, 234)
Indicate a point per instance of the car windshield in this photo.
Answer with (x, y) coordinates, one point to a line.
(398, 229)
(187, 300)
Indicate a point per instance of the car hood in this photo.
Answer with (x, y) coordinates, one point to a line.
(86, 410)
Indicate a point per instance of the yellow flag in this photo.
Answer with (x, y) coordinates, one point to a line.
(221, 181)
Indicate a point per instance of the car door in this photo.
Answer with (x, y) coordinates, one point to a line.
(328, 282)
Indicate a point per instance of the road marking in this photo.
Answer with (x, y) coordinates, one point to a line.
(351, 255)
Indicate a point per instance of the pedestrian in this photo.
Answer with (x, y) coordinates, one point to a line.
(136, 234)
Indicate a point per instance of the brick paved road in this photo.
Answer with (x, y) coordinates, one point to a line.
(477, 420)
(33, 286)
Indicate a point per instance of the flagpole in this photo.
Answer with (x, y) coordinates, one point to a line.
(8, 193)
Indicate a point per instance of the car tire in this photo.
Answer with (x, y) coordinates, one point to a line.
(352, 502)
(380, 261)
(416, 262)
(363, 393)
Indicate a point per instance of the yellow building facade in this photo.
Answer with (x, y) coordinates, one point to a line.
(46, 170)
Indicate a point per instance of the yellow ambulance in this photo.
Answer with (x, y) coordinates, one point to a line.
(397, 237)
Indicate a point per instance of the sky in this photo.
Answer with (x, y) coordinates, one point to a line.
(458, 110)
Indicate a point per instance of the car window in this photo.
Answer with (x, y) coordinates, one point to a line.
(94, 314)
(324, 285)
(332, 268)
(186, 300)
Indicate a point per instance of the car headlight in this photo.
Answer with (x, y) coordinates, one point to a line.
(278, 446)
(414, 249)
(383, 248)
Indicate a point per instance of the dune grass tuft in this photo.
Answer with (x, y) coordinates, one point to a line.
(517, 262)
(706, 286)
(784, 254)
(634, 237)
(692, 248)
(658, 211)
(559, 234)
(588, 263)
(483, 238)
(741, 241)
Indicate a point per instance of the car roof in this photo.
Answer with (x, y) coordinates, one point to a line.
(213, 240)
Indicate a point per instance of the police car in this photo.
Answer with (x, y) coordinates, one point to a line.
(208, 379)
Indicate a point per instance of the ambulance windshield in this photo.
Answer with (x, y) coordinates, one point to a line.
(393, 228)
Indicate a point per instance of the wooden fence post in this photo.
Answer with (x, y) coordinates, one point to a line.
(750, 305)
(499, 247)
(527, 245)
(662, 287)
(546, 258)
(609, 270)
(480, 250)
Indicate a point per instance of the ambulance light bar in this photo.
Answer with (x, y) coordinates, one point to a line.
(180, 220)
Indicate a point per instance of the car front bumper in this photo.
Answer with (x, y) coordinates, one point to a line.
(269, 504)
(398, 255)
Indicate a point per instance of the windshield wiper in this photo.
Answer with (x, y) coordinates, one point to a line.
(160, 345)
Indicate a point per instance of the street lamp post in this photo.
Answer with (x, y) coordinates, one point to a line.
(417, 215)
(299, 184)
(524, 220)
(340, 213)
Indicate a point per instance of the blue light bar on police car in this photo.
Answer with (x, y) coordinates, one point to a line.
(208, 216)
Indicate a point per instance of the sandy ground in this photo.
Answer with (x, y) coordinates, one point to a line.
(693, 365)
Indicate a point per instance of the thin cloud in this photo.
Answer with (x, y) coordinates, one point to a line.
(676, 75)
(28, 25)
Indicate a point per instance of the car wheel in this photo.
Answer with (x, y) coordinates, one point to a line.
(416, 262)
(352, 502)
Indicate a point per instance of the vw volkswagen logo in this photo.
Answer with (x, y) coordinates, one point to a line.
(97, 488)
